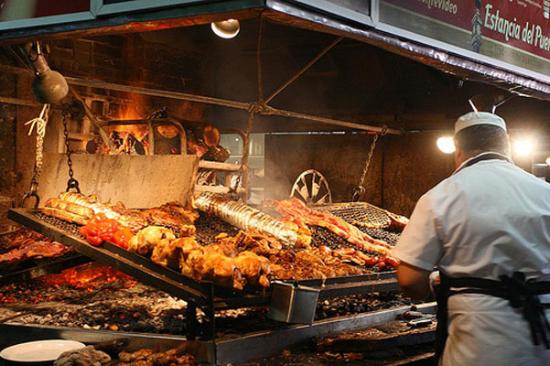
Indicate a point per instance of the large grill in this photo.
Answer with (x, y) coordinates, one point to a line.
(205, 295)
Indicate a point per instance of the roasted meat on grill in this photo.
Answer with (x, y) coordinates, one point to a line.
(172, 215)
(299, 212)
(254, 268)
(24, 244)
(145, 241)
(245, 217)
(146, 357)
(87, 356)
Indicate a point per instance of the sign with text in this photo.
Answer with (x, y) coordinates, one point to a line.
(516, 32)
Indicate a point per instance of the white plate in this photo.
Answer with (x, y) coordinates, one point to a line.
(39, 351)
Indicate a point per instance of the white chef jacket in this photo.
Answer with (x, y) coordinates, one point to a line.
(485, 220)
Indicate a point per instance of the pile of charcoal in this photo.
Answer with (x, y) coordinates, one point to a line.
(359, 304)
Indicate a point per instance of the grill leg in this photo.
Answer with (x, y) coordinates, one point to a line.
(191, 322)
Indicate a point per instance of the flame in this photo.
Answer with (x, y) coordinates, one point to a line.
(139, 131)
(135, 109)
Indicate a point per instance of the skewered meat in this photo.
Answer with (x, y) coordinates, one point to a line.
(145, 241)
(246, 217)
(297, 210)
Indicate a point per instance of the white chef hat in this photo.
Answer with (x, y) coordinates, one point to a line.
(479, 118)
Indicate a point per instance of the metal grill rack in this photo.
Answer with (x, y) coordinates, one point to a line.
(204, 294)
(360, 214)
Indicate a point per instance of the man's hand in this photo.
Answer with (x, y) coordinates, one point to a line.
(414, 281)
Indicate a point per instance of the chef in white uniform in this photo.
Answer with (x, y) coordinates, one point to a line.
(488, 220)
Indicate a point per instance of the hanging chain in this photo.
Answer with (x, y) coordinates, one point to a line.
(39, 124)
(359, 190)
(72, 183)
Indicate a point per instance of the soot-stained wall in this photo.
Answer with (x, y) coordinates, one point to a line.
(402, 169)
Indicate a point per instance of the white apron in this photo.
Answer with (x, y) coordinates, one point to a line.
(487, 331)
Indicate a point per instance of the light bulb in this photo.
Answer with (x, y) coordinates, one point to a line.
(226, 28)
(523, 147)
(446, 144)
(548, 161)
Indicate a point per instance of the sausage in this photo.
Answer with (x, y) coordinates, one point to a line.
(64, 215)
(70, 207)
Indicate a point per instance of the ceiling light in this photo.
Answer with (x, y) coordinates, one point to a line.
(523, 147)
(446, 144)
(226, 28)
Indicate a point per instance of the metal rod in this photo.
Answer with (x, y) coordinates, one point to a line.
(209, 100)
(246, 151)
(303, 69)
(330, 121)
(92, 119)
(159, 93)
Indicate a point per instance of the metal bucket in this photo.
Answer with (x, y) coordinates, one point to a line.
(291, 303)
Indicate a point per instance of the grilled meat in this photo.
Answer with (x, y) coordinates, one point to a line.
(71, 207)
(64, 215)
(87, 356)
(173, 216)
(145, 241)
(146, 357)
(26, 244)
(35, 250)
(299, 212)
(246, 217)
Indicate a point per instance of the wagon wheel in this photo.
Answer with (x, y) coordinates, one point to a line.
(312, 188)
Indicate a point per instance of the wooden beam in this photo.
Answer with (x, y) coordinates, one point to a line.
(213, 165)
(17, 101)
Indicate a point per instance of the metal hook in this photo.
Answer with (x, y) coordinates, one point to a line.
(28, 195)
(72, 184)
(357, 193)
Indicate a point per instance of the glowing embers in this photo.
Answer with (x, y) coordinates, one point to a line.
(90, 276)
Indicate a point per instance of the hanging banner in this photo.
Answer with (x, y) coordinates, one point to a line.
(516, 32)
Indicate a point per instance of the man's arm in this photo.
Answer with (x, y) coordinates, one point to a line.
(414, 282)
(418, 249)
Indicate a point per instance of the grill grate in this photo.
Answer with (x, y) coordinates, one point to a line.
(360, 214)
(68, 227)
(388, 236)
(208, 227)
